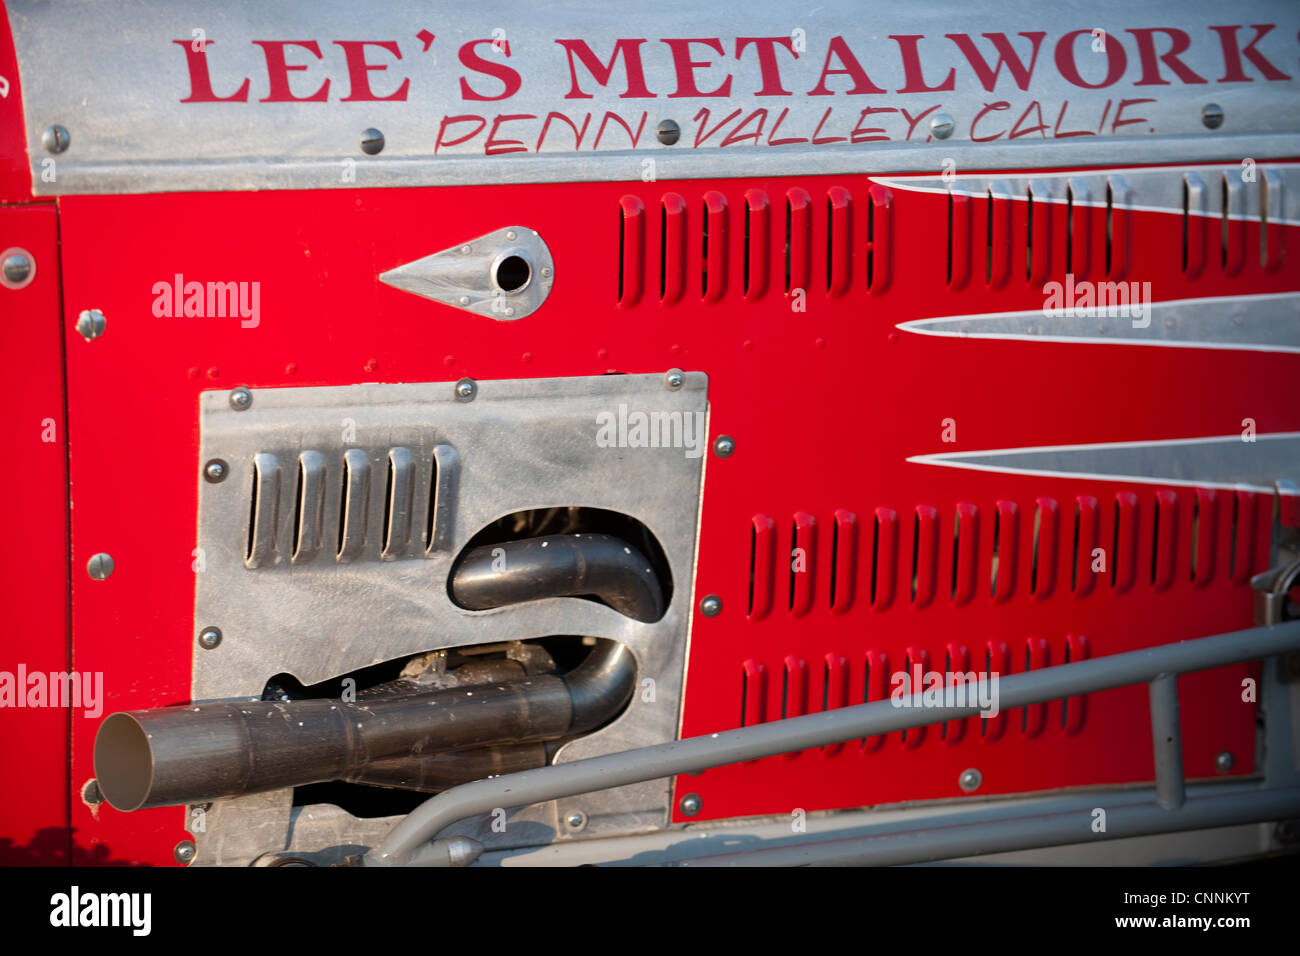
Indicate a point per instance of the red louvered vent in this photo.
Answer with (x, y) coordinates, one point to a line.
(844, 560)
(884, 558)
(1196, 225)
(1078, 228)
(803, 563)
(1033, 718)
(798, 240)
(672, 249)
(1233, 232)
(758, 215)
(1119, 227)
(880, 238)
(959, 240)
(839, 241)
(714, 249)
(631, 251)
(762, 567)
(997, 266)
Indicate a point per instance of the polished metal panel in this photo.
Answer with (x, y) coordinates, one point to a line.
(532, 109)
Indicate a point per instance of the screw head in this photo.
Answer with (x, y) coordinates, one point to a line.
(941, 126)
(17, 269)
(241, 399)
(970, 780)
(210, 638)
(55, 139)
(674, 379)
(216, 470)
(100, 566)
(511, 235)
(1224, 762)
(691, 804)
(711, 606)
(91, 324)
(575, 820)
(668, 132)
(466, 389)
(372, 142)
(184, 851)
(724, 446)
(1212, 115)
(546, 272)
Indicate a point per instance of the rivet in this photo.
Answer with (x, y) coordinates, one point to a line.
(674, 379)
(575, 820)
(55, 139)
(1212, 115)
(510, 235)
(546, 272)
(1224, 761)
(970, 780)
(91, 324)
(216, 470)
(668, 132)
(464, 300)
(464, 250)
(241, 399)
(372, 142)
(711, 606)
(210, 638)
(691, 804)
(184, 852)
(100, 566)
(466, 389)
(942, 126)
(724, 446)
(17, 269)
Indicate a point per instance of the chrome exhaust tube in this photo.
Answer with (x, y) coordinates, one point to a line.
(204, 752)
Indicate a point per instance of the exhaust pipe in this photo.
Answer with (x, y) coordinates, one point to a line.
(205, 752)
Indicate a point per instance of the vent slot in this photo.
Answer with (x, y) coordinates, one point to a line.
(631, 251)
(956, 669)
(798, 240)
(309, 517)
(998, 270)
(794, 693)
(1272, 212)
(1033, 717)
(1074, 710)
(875, 686)
(757, 244)
(1196, 224)
(753, 694)
(839, 241)
(1119, 203)
(440, 526)
(1205, 519)
(880, 239)
(916, 659)
(844, 560)
(672, 282)
(1234, 225)
(925, 555)
(959, 239)
(803, 563)
(398, 503)
(1029, 233)
(835, 691)
(1047, 530)
(713, 278)
(965, 549)
(1038, 254)
(997, 660)
(1006, 546)
(1087, 530)
(1164, 540)
(1123, 568)
(1243, 536)
(1079, 228)
(884, 558)
(264, 511)
(354, 505)
(762, 566)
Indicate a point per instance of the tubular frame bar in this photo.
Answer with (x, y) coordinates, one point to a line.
(407, 844)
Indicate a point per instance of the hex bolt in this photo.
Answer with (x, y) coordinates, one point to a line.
(711, 606)
(241, 399)
(691, 804)
(91, 324)
(1224, 762)
(55, 139)
(184, 852)
(575, 820)
(372, 142)
(674, 378)
(18, 269)
(942, 125)
(100, 566)
(210, 638)
(970, 780)
(466, 389)
(668, 132)
(1212, 115)
(724, 446)
(216, 470)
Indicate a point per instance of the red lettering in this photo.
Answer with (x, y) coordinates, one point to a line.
(767, 65)
(494, 147)
(1060, 117)
(735, 135)
(914, 79)
(359, 70)
(277, 70)
(818, 141)
(685, 67)
(1006, 54)
(1040, 129)
(1146, 44)
(1116, 60)
(601, 72)
(449, 120)
(510, 80)
(1232, 53)
(1120, 112)
(850, 67)
(771, 141)
(634, 137)
(860, 135)
(988, 108)
(911, 123)
(578, 134)
(702, 117)
(200, 80)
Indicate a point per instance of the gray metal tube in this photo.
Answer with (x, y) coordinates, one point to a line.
(928, 844)
(1167, 740)
(406, 840)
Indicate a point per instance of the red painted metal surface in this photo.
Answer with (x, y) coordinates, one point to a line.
(34, 565)
(824, 397)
